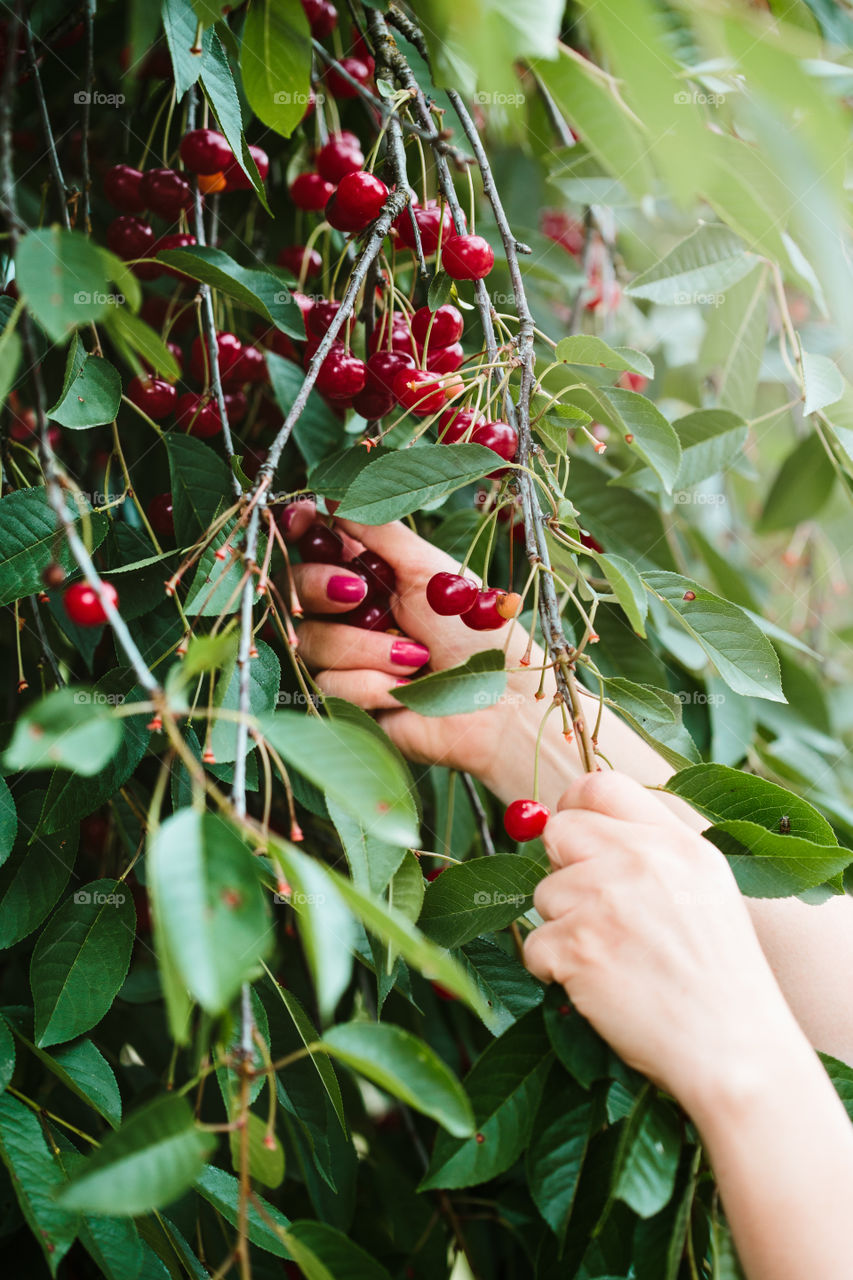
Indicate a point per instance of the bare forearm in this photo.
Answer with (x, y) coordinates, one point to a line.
(781, 1146)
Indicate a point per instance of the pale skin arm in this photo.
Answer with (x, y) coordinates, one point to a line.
(810, 948)
(646, 930)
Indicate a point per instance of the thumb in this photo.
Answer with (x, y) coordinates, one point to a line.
(617, 796)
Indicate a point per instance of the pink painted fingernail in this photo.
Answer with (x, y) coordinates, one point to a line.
(402, 680)
(408, 653)
(346, 590)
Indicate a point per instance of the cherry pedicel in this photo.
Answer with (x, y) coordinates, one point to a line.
(166, 192)
(357, 201)
(83, 605)
(526, 819)
(447, 326)
(341, 155)
(450, 594)
(205, 151)
(235, 177)
(121, 187)
(161, 515)
(483, 614)
(197, 415)
(311, 192)
(321, 545)
(300, 261)
(153, 396)
(467, 257)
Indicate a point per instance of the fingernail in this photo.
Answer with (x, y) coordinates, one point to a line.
(285, 519)
(346, 590)
(408, 653)
(402, 680)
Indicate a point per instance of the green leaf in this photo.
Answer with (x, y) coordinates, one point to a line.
(477, 46)
(372, 862)
(585, 349)
(266, 1164)
(63, 278)
(724, 795)
(207, 899)
(154, 1157)
(179, 24)
(218, 83)
(114, 1245)
(639, 700)
(554, 1159)
(477, 683)
(654, 439)
(740, 653)
(706, 264)
(348, 765)
(200, 485)
(734, 341)
(28, 535)
(406, 1067)
(439, 291)
(627, 585)
(711, 439)
(801, 488)
(259, 291)
(276, 50)
(319, 430)
(507, 988)
(8, 821)
(35, 1176)
(333, 475)
(822, 381)
(478, 896)
(309, 1035)
(576, 1043)
(647, 1177)
(81, 960)
(83, 1070)
(67, 729)
(405, 481)
(134, 338)
(504, 1087)
(215, 589)
(222, 1190)
(264, 680)
(91, 391)
(7, 1055)
(33, 877)
(768, 864)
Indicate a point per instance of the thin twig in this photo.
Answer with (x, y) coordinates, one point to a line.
(479, 813)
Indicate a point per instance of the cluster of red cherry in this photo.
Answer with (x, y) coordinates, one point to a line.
(322, 545)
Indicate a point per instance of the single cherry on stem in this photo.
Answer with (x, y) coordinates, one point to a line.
(237, 180)
(357, 201)
(341, 155)
(449, 594)
(383, 367)
(341, 375)
(205, 151)
(197, 415)
(376, 571)
(526, 819)
(166, 192)
(371, 615)
(311, 192)
(483, 614)
(359, 69)
(300, 261)
(153, 396)
(83, 605)
(444, 326)
(501, 438)
(467, 257)
(161, 515)
(321, 545)
(122, 188)
(419, 392)
(454, 423)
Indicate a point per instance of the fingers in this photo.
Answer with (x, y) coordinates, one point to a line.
(578, 835)
(545, 953)
(296, 517)
(400, 546)
(325, 588)
(617, 796)
(331, 644)
(559, 893)
(371, 690)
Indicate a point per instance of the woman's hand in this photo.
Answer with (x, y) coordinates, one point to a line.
(647, 931)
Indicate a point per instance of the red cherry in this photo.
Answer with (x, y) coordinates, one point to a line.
(526, 819)
(121, 187)
(300, 261)
(161, 515)
(447, 325)
(341, 155)
(591, 543)
(445, 359)
(130, 237)
(153, 396)
(166, 192)
(319, 317)
(322, 17)
(370, 616)
(357, 202)
(449, 593)
(377, 573)
(483, 614)
(321, 545)
(373, 403)
(177, 240)
(383, 367)
(632, 381)
(236, 406)
(467, 257)
(433, 221)
(563, 230)
(453, 424)
(83, 605)
(24, 425)
(500, 437)
(419, 392)
(237, 180)
(310, 191)
(393, 334)
(250, 366)
(360, 69)
(341, 375)
(198, 416)
(229, 350)
(205, 151)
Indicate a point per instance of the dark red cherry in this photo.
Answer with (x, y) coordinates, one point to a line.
(341, 375)
(357, 201)
(311, 192)
(121, 187)
(449, 594)
(483, 614)
(161, 515)
(341, 155)
(322, 17)
(236, 405)
(467, 257)
(300, 261)
(373, 403)
(250, 366)
(83, 605)
(321, 545)
(237, 180)
(360, 69)
(153, 396)
(370, 616)
(445, 359)
(394, 334)
(444, 326)
(453, 424)
(500, 437)
(130, 237)
(433, 221)
(229, 350)
(319, 318)
(419, 392)
(205, 151)
(166, 192)
(197, 415)
(526, 819)
(383, 367)
(377, 572)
